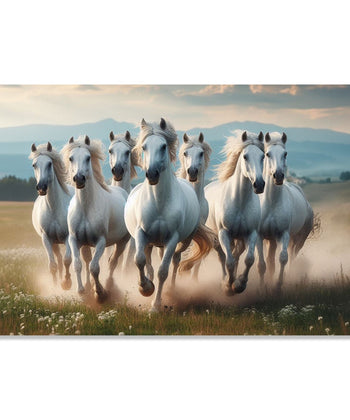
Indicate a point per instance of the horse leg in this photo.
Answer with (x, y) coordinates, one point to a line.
(241, 283)
(95, 269)
(67, 260)
(163, 271)
(225, 242)
(52, 263)
(177, 258)
(113, 262)
(149, 268)
(73, 243)
(261, 263)
(222, 259)
(146, 286)
(87, 257)
(271, 258)
(237, 252)
(283, 258)
(57, 252)
(128, 259)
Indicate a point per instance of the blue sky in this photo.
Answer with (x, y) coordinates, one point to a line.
(315, 106)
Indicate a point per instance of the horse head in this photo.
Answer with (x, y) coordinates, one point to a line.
(276, 155)
(194, 156)
(252, 160)
(120, 154)
(80, 163)
(43, 167)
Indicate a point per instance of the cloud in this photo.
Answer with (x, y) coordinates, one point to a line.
(274, 89)
(208, 90)
(87, 87)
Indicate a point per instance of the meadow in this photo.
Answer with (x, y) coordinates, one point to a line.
(314, 301)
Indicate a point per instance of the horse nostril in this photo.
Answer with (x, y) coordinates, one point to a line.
(37, 187)
(147, 174)
(255, 184)
(74, 178)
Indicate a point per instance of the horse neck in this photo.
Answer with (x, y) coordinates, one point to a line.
(240, 186)
(125, 183)
(272, 192)
(199, 186)
(161, 192)
(90, 193)
(54, 194)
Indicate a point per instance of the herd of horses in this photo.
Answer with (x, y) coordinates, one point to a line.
(249, 204)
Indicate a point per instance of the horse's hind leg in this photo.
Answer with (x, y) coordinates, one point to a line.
(283, 259)
(67, 260)
(87, 257)
(241, 283)
(57, 252)
(222, 259)
(113, 262)
(271, 258)
(149, 268)
(52, 263)
(146, 286)
(95, 269)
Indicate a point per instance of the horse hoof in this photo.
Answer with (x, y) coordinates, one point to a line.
(101, 296)
(238, 287)
(67, 284)
(228, 290)
(147, 289)
(81, 291)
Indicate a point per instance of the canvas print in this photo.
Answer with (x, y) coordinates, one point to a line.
(174, 210)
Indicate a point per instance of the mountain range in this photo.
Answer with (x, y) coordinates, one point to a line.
(311, 152)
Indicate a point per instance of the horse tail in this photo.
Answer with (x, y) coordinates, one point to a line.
(316, 227)
(204, 240)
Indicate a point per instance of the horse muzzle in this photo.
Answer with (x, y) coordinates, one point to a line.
(118, 173)
(192, 174)
(259, 186)
(42, 189)
(153, 176)
(278, 177)
(79, 181)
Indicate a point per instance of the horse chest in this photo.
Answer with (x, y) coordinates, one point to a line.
(273, 224)
(158, 231)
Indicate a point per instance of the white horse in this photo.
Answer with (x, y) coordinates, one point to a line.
(162, 211)
(286, 216)
(234, 207)
(194, 156)
(49, 214)
(95, 213)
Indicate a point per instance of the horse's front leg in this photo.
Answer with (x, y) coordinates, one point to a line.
(113, 262)
(177, 258)
(222, 258)
(163, 271)
(241, 283)
(261, 263)
(57, 252)
(95, 269)
(284, 240)
(73, 243)
(52, 263)
(87, 257)
(225, 242)
(149, 268)
(67, 260)
(146, 286)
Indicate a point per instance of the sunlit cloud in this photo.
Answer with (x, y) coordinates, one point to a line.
(206, 91)
(273, 89)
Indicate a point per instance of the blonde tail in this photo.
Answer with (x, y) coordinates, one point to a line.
(203, 241)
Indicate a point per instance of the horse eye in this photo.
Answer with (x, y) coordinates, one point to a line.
(109, 151)
(268, 155)
(244, 157)
(88, 159)
(163, 147)
(185, 154)
(201, 154)
(50, 164)
(128, 153)
(70, 159)
(34, 165)
(285, 154)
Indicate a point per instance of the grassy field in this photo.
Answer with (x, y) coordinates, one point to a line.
(306, 306)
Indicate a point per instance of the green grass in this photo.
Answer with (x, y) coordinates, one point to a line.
(304, 309)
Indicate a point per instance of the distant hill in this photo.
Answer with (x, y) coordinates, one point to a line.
(311, 152)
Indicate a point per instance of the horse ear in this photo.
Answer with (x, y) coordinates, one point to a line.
(185, 137)
(111, 136)
(87, 140)
(261, 136)
(33, 147)
(49, 147)
(244, 136)
(284, 138)
(200, 138)
(71, 140)
(143, 123)
(267, 137)
(162, 124)
(127, 135)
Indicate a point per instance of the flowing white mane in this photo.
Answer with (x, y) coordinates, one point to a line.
(232, 150)
(149, 129)
(131, 143)
(58, 165)
(193, 141)
(95, 149)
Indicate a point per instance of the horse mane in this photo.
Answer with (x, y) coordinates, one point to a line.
(232, 150)
(58, 165)
(120, 138)
(96, 151)
(193, 141)
(275, 139)
(149, 129)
